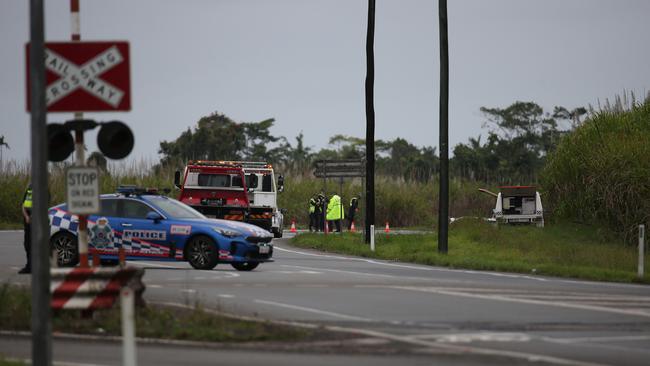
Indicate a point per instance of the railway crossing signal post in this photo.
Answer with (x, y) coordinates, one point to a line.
(67, 77)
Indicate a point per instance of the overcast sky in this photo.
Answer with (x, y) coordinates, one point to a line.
(302, 62)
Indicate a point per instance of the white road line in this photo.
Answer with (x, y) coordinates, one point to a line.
(314, 311)
(226, 296)
(420, 268)
(487, 273)
(188, 290)
(465, 349)
(597, 339)
(154, 286)
(375, 274)
(442, 291)
(476, 337)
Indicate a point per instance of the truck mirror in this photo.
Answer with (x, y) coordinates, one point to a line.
(177, 179)
(280, 183)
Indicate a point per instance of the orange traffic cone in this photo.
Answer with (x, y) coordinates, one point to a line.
(352, 228)
(387, 229)
(293, 226)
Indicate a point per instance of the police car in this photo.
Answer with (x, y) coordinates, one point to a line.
(151, 226)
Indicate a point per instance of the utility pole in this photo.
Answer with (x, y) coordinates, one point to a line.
(41, 322)
(370, 121)
(443, 206)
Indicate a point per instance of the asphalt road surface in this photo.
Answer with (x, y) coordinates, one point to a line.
(405, 313)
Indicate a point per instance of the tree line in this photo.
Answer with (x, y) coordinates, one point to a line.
(519, 138)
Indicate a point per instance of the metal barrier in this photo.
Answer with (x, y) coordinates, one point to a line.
(93, 288)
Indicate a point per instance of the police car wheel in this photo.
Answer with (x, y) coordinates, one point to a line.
(64, 245)
(245, 266)
(202, 252)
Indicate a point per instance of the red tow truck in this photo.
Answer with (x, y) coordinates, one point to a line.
(233, 190)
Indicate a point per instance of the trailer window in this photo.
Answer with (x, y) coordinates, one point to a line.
(214, 180)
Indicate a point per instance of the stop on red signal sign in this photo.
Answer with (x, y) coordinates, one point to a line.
(85, 76)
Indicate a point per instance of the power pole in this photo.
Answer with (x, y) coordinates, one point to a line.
(370, 121)
(41, 322)
(443, 206)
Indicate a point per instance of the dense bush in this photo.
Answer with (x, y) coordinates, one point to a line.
(399, 202)
(600, 173)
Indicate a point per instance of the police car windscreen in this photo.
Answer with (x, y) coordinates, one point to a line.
(175, 209)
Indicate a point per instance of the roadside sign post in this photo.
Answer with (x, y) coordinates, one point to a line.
(128, 327)
(641, 269)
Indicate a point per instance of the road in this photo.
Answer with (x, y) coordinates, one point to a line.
(424, 313)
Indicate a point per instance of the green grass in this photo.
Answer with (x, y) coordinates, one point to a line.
(194, 324)
(10, 226)
(565, 250)
(5, 362)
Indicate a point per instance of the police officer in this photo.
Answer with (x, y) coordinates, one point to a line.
(320, 210)
(313, 224)
(335, 212)
(27, 226)
(354, 204)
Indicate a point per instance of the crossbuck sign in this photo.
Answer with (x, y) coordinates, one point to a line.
(86, 76)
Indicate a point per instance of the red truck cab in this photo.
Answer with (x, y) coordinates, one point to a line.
(232, 190)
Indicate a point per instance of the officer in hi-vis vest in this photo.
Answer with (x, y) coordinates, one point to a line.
(27, 225)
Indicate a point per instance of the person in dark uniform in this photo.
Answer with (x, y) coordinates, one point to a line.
(313, 224)
(320, 212)
(354, 207)
(27, 226)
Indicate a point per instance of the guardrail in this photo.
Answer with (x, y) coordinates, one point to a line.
(93, 288)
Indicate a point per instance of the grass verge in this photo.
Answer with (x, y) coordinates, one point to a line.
(565, 250)
(194, 324)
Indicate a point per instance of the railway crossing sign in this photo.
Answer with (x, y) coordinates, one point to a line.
(85, 76)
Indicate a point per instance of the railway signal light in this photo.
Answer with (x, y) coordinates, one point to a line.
(115, 139)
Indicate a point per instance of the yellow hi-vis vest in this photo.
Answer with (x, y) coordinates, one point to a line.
(27, 201)
(312, 205)
(334, 209)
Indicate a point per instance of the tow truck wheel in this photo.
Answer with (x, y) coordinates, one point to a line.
(277, 234)
(202, 252)
(65, 246)
(245, 266)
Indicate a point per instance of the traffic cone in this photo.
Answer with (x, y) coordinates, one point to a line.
(293, 226)
(352, 228)
(387, 229)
